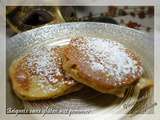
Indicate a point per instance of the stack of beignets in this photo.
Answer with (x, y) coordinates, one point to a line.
(104, 65)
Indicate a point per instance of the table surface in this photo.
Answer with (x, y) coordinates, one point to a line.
(137, 17)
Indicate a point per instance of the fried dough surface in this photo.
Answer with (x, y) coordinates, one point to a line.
(38, 75)
(101, 64)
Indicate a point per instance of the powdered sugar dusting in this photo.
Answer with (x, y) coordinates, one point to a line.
(108, 56)
(97, 66)
(43, 62)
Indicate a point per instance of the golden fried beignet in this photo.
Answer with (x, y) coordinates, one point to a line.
(38, 75)
(101, 64)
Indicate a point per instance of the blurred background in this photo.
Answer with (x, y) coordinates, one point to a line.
(22, 18)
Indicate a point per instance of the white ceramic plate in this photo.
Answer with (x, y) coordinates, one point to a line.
(86, 100)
